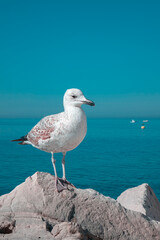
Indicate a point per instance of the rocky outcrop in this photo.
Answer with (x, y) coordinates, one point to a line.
(141, 199)
(34, 210)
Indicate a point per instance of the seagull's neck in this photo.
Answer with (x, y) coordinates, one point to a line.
(72, 111)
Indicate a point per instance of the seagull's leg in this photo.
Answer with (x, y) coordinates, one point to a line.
(59, 186)
(64, 180)
(63, 166)
(54, 165)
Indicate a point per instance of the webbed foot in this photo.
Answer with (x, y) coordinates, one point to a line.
(62, 184)
(65, 181)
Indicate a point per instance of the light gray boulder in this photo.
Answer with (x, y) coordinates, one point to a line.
(141, 199)
(34, 210)
(68, 231)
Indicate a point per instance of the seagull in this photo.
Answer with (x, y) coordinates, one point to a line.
(61, 132)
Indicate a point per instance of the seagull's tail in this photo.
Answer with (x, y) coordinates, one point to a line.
(22, 141)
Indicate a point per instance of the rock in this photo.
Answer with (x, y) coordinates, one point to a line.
(7, 225)
(68, 231)
(141, 199)
(36, 211)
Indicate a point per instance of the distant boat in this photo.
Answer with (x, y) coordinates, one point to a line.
(145, 120)
(132, 121)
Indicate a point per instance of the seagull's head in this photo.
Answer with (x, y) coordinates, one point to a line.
(74, 97)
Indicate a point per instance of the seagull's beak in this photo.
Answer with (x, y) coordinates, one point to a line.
(88, 102)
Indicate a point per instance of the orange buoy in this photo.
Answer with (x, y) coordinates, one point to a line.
(142, 127)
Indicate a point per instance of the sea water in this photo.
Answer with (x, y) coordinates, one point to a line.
(114, 156)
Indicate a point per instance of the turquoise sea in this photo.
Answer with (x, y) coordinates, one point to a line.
(114, 156)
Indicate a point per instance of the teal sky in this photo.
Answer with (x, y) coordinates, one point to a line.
(108, 49)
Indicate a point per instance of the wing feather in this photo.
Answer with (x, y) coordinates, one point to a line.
(43, 129)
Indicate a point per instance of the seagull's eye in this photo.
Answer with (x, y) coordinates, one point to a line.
(74, 96)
